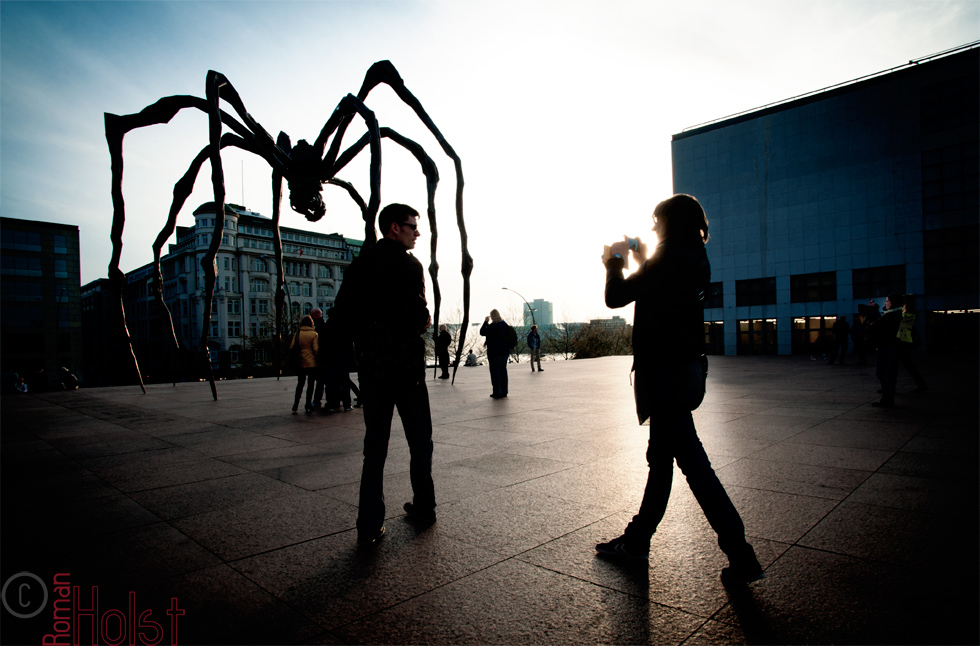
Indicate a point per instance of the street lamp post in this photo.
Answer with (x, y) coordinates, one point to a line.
(529, 308)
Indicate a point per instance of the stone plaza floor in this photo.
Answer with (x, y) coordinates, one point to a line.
(866, 520)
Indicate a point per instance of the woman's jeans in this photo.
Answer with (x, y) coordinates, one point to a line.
(304, 375)
(667, 394)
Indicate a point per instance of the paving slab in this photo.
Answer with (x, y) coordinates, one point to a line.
(241, 515)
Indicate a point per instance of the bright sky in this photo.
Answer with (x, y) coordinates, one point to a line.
(562, 112)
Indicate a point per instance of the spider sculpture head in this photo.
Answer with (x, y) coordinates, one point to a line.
(304, 182)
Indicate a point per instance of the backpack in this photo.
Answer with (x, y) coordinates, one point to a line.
(511, 337)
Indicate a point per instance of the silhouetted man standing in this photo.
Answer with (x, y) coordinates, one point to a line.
(442, 351)
(382, 304)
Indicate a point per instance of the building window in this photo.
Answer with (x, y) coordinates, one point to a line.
(214, 328)
(20, 266)
(293, 268)
(876, 282)
(258, 285)
(234, 328)
(756, 291)
(21, 240)
(952, 261)
(714, 337)
(810, 288)
(323, 291)
(324, 272)
(60, 244)
(293, 289)
(813, 335)
(263, 307)
(234, 307)
(757, 336)
(307, 308)
(307, 289)
(715, 295)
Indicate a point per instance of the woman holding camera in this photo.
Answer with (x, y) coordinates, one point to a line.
(668, 358)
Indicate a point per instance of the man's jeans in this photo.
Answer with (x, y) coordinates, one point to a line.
(673, 436)
(379, 402)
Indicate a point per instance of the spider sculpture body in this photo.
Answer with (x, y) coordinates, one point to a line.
(306, 168)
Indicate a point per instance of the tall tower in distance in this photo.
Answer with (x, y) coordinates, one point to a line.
(544, 312)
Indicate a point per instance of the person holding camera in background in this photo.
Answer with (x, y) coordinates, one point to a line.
(534, 347)
(498, 350)
(668, 358)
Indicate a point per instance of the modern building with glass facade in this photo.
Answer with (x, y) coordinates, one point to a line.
(825, 201)
(41, 308)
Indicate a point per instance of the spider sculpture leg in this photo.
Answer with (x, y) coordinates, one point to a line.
(182, 189)
(283, 143)
(252, 138)
(431, 173)
(343, 114)
(385, 72)
(116, 128)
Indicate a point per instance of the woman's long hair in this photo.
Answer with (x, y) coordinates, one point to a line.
(495, 316)
(306, 320)
(681, 219)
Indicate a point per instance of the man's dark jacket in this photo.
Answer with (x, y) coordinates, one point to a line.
(668, 289)
(381, 305)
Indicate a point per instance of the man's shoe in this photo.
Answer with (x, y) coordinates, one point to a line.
(347, 408)
(622, 548)
(372, 538)
(742, 573)
(421, 515)
(444, 376)
(540, 369)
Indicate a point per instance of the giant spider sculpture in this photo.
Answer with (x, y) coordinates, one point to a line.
(306, 169)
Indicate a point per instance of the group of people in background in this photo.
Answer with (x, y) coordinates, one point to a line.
(891, 333)
(324, 356)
